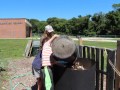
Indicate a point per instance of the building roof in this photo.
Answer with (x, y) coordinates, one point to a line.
(11, 18)
(26, 21)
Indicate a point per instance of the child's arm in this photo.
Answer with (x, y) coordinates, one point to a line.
(47, 51)
(53, 37)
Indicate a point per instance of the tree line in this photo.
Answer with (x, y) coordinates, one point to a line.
(97, 24)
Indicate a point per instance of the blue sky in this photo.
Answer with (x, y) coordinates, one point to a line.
(43, 9)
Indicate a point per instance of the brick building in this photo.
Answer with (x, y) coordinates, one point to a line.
(15, 28)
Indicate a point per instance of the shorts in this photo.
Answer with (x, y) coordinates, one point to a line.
(36, 72)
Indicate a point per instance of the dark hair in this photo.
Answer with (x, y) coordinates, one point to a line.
(47, 37)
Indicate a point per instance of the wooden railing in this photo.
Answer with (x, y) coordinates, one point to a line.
(105, 75)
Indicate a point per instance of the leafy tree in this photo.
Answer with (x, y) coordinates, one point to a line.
(98, 24)
(99, 20)
(58, 24)
(34, 23)
(116, 6)
(113, 22)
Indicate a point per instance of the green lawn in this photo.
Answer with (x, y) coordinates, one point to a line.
(10, 49)
(111, 45)
(14, 48)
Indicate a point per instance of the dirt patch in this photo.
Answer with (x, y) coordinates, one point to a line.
(21, 73)
(22, 70)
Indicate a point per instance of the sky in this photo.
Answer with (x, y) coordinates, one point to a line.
(44, 9)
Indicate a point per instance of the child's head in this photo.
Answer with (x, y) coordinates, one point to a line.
(49, 30)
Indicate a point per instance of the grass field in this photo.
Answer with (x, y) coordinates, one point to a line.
(14, 48)
(111, 45)
(11, 49)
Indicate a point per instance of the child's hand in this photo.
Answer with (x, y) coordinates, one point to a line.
(55, 36)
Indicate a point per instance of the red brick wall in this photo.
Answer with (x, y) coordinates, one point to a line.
(12, 28)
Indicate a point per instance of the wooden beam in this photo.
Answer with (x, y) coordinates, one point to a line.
(110, 72)
(28, 48)
(80, 41)
(117, 79)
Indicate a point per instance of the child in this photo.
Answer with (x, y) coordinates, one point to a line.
(36, 65)
(46, 53)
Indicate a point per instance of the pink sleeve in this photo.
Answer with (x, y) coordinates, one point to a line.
(46, 52)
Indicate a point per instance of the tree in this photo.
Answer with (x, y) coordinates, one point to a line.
(116, 6)
(34, 23)
(113, 22)
(58, 24)
(99, 25)
(41, 26)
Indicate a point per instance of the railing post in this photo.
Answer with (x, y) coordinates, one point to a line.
(110, 72)
(117, 79)
(80, 41)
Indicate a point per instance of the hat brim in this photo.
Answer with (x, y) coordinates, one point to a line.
(49, 31)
